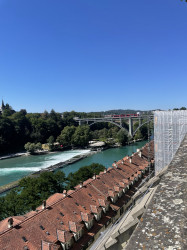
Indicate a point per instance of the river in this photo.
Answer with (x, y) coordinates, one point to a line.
(16, 168)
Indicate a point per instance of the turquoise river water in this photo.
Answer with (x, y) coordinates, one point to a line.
(15, 168)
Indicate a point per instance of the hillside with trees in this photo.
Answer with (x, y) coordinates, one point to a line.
(19, 129)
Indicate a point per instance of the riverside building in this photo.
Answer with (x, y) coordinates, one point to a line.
(74, 219)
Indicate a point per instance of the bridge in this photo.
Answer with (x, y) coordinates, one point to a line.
(118, 121)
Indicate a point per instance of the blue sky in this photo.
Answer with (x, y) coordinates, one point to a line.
(93, 55)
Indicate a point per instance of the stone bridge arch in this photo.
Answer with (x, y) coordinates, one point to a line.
(140, 127)
(115, 123)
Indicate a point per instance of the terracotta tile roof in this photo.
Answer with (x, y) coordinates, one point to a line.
(87, 182)
(54, 224)
(29, 214)
(102, 202)
(95, 209)
(75, 226)
(4, 223)
(117, 188)
(54, 198)
(112, 193)
(49, 246)
(69, 192)
(64, 236)
(86, 217)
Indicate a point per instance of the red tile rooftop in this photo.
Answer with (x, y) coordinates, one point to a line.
(4, 223)
(75, 226)
(64, 236)
(65, 215)
(86, 217)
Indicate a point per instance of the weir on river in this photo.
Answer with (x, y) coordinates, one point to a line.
(16, 168)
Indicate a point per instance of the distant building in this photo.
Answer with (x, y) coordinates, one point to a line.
(2, 108)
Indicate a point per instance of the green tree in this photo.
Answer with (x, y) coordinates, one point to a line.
(38, 146)
(32, 147)
(83, 174)
(34, 190)
(81, 136)
(2, 208)
(122, 137)
(7, 134)
(65, 138)
(13, 205)
(51, 141)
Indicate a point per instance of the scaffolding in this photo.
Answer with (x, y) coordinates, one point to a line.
(170, 128)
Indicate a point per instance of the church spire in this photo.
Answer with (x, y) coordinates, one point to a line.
(3, 105)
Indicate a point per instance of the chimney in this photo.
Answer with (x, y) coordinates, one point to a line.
(105, 170)
(44, 204)
(10, 222)
(140, 153)
(130, 159)
(115, 164)
(94, 176)
(64, 193)
(81, 184)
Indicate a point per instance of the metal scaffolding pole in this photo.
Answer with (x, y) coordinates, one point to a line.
(170, 128)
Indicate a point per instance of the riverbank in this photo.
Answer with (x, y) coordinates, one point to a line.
(69, 161)
(4, 157)
(97, 147)
(51, 168)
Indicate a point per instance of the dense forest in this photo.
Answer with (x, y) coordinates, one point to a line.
(35, 129)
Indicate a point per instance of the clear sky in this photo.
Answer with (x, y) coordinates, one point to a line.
(93, 55)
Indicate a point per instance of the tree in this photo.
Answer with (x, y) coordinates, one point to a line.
(81, 136)
(51, 141)
(13, 205)
(7, 110)
(32, 147)
(65, 138)
(122, 137)
(2, 208)
(34, 190)
(38, 146)
(83, 174)
(7, 134)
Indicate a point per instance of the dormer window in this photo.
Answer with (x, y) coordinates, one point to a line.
(97, 216)
(24, 239)
(42, 227)
(89, 224)
(77, 235)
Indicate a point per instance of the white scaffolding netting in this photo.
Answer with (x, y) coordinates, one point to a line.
(170, 128)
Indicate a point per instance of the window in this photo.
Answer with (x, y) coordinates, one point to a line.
(24, 239)
(42, 227)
